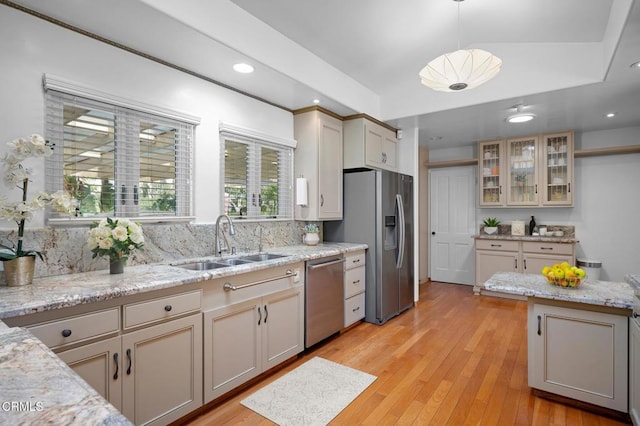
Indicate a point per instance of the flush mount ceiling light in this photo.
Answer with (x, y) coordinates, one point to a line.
(610, 114)
(635, 65)
(243, 68)
(460, 70)
(520, 116)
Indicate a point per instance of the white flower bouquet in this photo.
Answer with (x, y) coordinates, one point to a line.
(15, 174)
(116, 238)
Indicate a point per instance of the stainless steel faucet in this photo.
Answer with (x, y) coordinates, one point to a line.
(232, 231)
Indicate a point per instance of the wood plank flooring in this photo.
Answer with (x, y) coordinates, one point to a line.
(455, 359)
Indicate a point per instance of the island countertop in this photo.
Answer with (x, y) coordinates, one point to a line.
(602, 293)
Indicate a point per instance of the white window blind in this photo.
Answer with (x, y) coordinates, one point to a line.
(117, 161)
(257, 174)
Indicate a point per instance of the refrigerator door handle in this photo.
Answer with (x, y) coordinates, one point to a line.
(401, 230)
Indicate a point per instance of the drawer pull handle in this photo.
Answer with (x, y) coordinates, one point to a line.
(266, 314)
(168, 308)
(66, 332)
(129, 358)
(546, 248)
(356, 261)
(516, 260)
(524, 261)
(115, 361)
(355, 309)
(496, 245)
(539, 323)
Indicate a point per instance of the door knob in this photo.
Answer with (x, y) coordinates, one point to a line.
(433, 232)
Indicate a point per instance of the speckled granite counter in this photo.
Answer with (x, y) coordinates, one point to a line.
(537, 238)
(603, 293)
(31, 373)
(38, 388)
(69, 290)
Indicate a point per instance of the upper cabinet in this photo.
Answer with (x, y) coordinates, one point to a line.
(531, 171)
(318, 158)
(369, 144)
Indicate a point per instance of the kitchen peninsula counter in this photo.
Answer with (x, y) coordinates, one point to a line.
(600, 293)
(50, 391)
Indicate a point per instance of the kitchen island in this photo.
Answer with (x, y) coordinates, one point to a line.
(577, 339)
(117, 308)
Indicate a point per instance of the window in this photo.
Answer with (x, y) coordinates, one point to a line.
(116, 160)
(257, 174)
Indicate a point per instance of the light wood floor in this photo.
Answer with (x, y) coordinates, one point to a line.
(455, 359)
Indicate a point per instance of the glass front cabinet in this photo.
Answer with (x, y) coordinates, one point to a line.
(557, 169)
(528, 171)
(492, 160)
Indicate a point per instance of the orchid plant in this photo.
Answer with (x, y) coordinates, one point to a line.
(16, 174)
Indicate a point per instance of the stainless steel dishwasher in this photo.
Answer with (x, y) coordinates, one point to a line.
(324, 299)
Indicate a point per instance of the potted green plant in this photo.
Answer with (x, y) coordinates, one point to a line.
(491, 225)
(311, 237)
(18, 262)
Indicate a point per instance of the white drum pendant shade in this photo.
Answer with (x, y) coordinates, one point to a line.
(460, 70)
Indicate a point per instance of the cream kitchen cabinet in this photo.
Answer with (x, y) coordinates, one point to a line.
(149, 365)
(634, 371)
(369, 144)
(261, 327)
(354, 287)
(318, 158)
(578, 353)
(527, 257)
(530, 171)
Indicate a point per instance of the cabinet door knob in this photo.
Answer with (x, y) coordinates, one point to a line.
(433, 232)
(66, 332)
(168, 308)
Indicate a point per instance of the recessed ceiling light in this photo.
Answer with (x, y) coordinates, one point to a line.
(635, 65)
(610, 115)
(243, 68)
(316, 101)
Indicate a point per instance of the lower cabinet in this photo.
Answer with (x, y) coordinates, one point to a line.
(99, 364)
(579, 354)
(162, 371)
(244, 339)
(634, 371)
(354, 287)
(526, 257)
(153, 375)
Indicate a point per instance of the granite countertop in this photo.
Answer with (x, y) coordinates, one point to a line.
(48, 389)
(64, 291)
(634, 280)
(39, 388)
(602, 293)
(536, 238)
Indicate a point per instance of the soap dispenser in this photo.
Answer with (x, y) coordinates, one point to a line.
(532, 225)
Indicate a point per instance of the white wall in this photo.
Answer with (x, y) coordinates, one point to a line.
(606, 205)
(30, 47)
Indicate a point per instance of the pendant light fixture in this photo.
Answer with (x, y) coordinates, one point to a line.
(460, 70)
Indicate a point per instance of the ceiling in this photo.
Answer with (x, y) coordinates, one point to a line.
(567, 62)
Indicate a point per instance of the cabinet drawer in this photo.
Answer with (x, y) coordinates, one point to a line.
(354, 260)
(354, 281)
(155, 310)
(502, 245)
(547, 248)
(78, 328)
(353, 309)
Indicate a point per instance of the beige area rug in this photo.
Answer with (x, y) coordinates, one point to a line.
(312, 394)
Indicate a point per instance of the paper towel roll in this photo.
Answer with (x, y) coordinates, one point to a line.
(301, 192)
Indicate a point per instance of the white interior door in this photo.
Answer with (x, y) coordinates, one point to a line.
(452, 221)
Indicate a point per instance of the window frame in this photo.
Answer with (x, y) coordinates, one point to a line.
(56, 89)
(255, 141)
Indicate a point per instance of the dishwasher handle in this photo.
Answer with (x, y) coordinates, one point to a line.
(324, 264)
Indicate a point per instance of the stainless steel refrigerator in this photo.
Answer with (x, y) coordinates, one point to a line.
(378, 211)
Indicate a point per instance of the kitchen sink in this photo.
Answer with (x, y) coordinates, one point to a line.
(202, 266)
(261, 257)
(235, 261)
